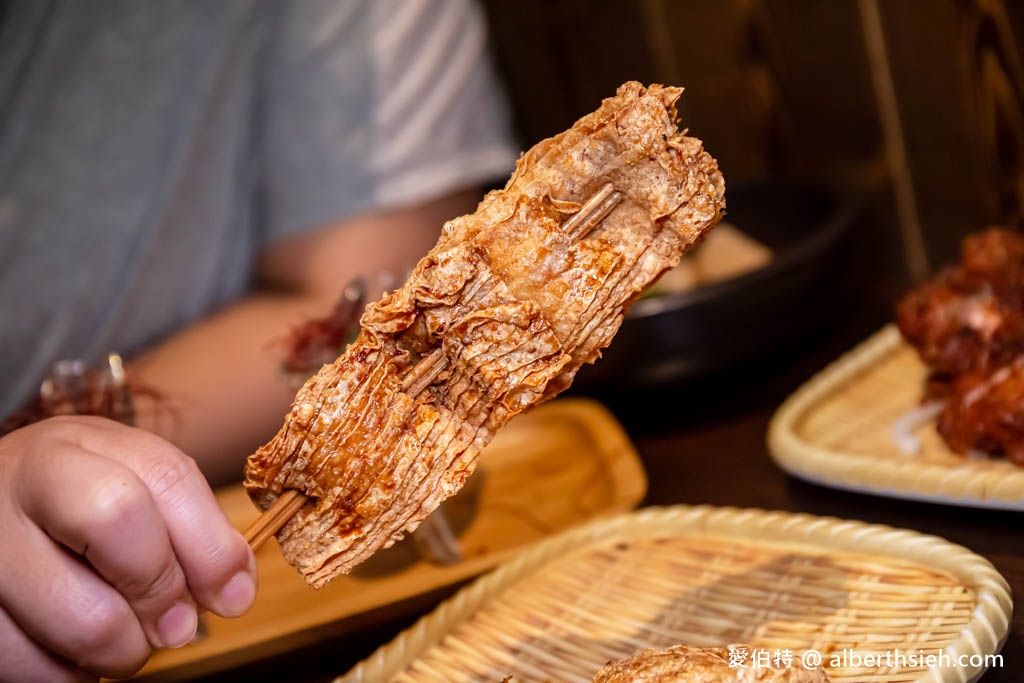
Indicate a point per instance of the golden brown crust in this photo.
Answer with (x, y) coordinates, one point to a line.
(515, 305)
(683, 664)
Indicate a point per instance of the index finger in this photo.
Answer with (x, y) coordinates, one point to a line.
(219, 565)
(101, 510)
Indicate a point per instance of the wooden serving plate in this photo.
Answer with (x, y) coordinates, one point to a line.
(556, 467)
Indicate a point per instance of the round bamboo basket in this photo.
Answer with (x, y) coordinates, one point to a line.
(837, 430)
(710, 576)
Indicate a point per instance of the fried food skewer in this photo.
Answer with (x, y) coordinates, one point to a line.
(519, 302)
(423, 374)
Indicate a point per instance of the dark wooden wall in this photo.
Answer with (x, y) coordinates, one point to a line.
(916, 105)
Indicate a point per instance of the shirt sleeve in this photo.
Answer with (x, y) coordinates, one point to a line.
(371, 104)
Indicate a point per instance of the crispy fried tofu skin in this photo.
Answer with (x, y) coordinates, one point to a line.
(682, 664)
(516, 307)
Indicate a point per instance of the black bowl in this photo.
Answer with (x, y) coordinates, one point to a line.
(672, 338)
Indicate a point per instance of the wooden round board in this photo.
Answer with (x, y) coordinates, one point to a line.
(837, 430)
(713, 576)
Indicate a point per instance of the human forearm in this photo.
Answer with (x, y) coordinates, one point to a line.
(223, 394)
(217, 391)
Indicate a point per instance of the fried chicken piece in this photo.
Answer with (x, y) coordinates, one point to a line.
(995, 256)
(682, 664)
(986, 413)
(970, 318)
(515, 306)
(956, 331)
(967, 325)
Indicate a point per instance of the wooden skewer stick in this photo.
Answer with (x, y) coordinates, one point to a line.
(593, 211)
(274, 517)
(419, 377)
(423, 374)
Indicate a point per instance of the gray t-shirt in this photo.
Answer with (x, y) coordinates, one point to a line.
(149, 150)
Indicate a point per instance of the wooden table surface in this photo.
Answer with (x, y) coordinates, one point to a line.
(704, 442)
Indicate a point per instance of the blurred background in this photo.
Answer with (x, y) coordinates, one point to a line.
(917, 106)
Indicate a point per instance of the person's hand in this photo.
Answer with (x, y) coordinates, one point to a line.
(109, 538)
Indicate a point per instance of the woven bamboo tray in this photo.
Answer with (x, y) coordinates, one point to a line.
(702, 576)
(836, 430)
